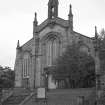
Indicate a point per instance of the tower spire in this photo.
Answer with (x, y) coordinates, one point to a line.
(70, 17)
(70, 11)
(35, 20)
(52, 9)
(18, 44)
(96, 34)
(35, 23)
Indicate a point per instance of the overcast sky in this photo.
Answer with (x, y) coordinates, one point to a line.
(16, 21)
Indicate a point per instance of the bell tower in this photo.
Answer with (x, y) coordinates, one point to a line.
(52, 9)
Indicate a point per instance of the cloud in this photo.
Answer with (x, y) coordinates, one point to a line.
(16, 21)
(14, 26)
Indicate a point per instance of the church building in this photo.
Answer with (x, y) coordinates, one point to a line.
(49, 41)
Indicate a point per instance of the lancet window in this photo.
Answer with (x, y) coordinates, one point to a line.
(26, 65)
(52, 51)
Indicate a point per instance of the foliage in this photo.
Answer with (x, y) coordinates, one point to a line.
(76, 67)
(102, 34)
(101, 40)
(7, 77)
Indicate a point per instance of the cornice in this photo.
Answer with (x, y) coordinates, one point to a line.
(83, 35)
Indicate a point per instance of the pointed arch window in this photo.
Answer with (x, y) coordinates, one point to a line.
(26, 65)
(52, 12)
(52, 9)
(49, 53)
(52, 51)
(55, 49)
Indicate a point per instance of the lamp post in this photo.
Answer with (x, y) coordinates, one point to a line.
(0, 96)
(97, 66)
(46, 78)
(1, 88)
(27, 82)
(46, 75)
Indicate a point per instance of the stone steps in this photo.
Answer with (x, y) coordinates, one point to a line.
(14, 100)
(55, 97)
(17, 97)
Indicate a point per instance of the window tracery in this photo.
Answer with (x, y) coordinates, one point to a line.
(26, 64)
(52, 51)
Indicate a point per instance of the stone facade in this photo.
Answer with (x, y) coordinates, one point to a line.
(48, 42)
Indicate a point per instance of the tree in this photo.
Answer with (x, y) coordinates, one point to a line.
(101, 40)
(75, 67)
(7, 77)
(102, 34)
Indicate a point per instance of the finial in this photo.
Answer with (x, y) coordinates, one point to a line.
(70, 17)
(95, 29)
(70, 11)
(18, 44)
(35, 15)
(35, 19)
(70, 6)
(96, 34)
